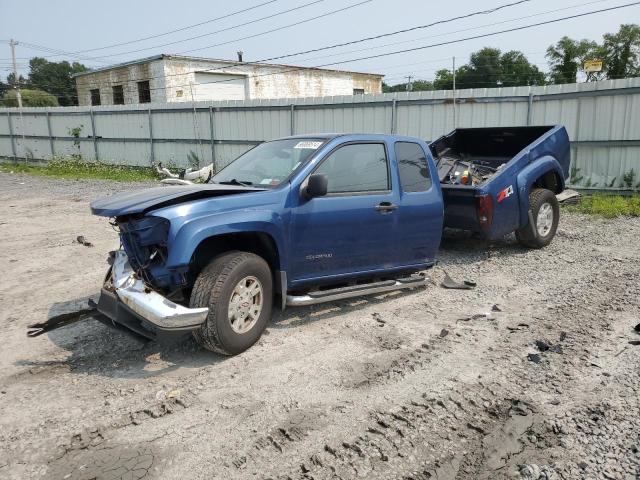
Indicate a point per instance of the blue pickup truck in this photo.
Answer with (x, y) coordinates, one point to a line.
(316, 218)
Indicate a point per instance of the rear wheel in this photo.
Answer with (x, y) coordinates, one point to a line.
(237, 288)
(545, 211)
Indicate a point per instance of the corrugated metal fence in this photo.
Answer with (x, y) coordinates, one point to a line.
(602, 118)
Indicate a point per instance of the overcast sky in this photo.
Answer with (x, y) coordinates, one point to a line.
(71, 26)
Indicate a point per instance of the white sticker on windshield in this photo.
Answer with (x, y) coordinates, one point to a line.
(308, 144)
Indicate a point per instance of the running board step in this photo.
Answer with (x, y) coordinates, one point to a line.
(341, 293)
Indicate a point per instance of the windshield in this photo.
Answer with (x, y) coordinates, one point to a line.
(268, 164)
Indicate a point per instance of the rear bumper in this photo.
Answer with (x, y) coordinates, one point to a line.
(129, 302)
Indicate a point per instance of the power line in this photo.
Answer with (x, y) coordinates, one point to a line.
(475, 37)
(258, 62)
(280, 28)
(404, 30)
(454, 31)
(155, 47)
(61, 52)
(237, 12)
(523, 27)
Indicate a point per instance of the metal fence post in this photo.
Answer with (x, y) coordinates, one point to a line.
(53, 152)
(93, 132)
(212, 135)
(530, 109)
(394, 112)
(13, 140)
(292, 128)
(151, 147)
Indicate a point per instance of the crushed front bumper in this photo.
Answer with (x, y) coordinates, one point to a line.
(129, 302)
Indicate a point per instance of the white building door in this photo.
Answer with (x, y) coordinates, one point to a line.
(219, 86)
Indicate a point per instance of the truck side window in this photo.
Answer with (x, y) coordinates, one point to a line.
(412, 167)
(360, 167)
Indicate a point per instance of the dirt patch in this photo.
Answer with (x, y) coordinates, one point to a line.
(411, 385)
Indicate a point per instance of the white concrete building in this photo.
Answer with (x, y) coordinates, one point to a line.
(173, 78)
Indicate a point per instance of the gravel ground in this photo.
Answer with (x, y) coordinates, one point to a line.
(532, 375)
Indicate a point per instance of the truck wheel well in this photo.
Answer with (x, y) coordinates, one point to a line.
(259, 243)
(550, 180)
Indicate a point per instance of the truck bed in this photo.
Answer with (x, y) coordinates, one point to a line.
(479, 170)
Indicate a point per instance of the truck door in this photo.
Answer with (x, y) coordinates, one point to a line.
(420, 209)
(352, 228)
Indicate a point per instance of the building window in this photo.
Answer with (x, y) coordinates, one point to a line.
(118, 95)
(144, 92)
(358, 91)
(95, 97)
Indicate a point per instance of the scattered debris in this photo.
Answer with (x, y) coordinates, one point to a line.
(476, 316)
(542, 345)
(569, 197)
(83, 241)
(448, 282)
(520, 326)
(376, 316)
(185, 177)
(534, 357)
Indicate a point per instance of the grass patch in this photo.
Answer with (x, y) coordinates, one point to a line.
(608, 206)
(72, 168)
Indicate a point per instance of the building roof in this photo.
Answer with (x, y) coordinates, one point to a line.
(163, 56)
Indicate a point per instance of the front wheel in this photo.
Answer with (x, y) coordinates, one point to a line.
(238, 290)
(545, 211)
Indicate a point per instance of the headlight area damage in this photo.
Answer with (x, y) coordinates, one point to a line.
(132, 295)
(130, 302)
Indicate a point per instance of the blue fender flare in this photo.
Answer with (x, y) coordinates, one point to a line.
(528, 176)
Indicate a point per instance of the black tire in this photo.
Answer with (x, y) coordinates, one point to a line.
(214, 288)
(526, 236)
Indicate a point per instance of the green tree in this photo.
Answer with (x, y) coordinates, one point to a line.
(621, 52)
(444, 79)
(30, 98)
(416, 86)
(4, 87)
(567, 57)
(489, 67)
(55, 78)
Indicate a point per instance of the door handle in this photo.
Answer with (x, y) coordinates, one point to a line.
(385, 207)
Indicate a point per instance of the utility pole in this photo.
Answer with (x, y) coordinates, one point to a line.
(454, 93)
(16, 81)
(409, 86)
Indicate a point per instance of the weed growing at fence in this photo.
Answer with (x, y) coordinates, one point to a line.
(75, 168)
(608, 206)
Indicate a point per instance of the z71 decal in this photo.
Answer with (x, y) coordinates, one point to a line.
(507, 192)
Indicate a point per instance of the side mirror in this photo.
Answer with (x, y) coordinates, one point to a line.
(316, 186)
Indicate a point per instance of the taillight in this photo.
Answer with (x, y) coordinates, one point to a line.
(484, 210)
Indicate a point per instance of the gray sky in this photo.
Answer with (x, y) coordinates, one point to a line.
(72, 26)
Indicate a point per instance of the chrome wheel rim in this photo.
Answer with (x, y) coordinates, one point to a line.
(245, 304)
(544, 222)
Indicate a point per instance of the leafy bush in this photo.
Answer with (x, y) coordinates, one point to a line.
(30, 98)
(608, 206)
(77, 168)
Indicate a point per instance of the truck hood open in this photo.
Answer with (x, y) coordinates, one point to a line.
(141, 201)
